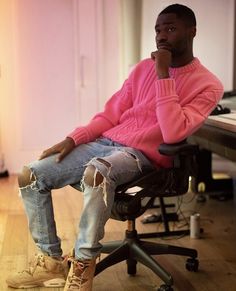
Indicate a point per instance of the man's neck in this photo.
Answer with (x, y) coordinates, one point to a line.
(180, 62)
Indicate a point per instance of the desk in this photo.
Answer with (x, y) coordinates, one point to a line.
(217, 135)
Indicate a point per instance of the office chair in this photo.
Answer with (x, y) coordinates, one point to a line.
(173, 181)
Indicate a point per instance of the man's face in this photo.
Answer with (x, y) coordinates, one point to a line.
(173, 34)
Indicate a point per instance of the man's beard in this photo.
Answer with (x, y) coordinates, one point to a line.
(180, 49)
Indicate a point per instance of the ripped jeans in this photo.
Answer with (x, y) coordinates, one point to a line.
(121, 165)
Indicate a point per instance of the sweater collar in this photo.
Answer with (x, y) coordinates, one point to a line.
(189, 67)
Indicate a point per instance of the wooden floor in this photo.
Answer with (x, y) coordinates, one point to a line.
(217, 247)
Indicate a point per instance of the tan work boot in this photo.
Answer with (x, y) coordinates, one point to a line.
(80, 277)
(43, 271)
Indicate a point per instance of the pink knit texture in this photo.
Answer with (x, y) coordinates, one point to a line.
(146, 111)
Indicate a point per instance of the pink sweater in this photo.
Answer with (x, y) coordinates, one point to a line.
(146, 111)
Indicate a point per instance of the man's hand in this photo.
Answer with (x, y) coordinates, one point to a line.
(63, 148)
(162, 58)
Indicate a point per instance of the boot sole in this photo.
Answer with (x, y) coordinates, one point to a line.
(53, 283)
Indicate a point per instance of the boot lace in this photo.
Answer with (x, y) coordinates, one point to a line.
(74, 281)
(39, 260)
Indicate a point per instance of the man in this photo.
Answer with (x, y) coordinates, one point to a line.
(165, 99)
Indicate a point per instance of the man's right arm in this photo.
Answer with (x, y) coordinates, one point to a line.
(62, 148)
(162, 58)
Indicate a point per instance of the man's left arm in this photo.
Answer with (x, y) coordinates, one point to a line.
(177, 121)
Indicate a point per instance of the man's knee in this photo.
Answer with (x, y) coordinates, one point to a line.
(92, 177)
(25, 178)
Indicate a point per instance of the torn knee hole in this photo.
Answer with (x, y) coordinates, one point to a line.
(92, 177)
(104, 162)
(25, 178)
(133, 156)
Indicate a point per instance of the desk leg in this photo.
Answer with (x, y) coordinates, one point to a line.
(215, 187)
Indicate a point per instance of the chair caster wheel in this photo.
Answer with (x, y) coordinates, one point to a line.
(165, 288)
(192, 265)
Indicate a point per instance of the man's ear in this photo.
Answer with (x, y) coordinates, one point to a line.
(193, 31)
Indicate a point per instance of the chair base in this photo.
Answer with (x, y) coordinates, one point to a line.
(168, 233)
(134, 250)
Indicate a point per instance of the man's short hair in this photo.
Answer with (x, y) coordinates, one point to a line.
(183, 12)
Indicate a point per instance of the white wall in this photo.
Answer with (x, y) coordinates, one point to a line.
(7, 79)
(38, 96)
(130, 25)
(45, 64)
(42, 44)
(215, 33)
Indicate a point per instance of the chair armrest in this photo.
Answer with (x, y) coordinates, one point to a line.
(181, 148)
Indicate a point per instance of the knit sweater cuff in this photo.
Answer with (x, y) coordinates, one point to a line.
(79, 135)
(165, 87)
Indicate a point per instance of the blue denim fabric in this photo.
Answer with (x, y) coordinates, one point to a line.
(122, 164)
